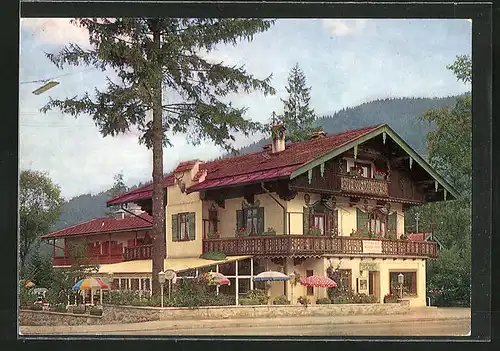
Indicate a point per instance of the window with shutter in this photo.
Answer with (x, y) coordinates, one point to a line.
(305, 220)
(362, 222)
(175, 228)
(260, 220)
(191, 218)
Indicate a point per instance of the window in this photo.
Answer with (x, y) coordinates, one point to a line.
(409, 285)
(319, 222)
(364, 169)
(375, 222)
(252, 219)
(310, 289)
(59, 244)
(183, 226)
(320, 216)
(212, 221)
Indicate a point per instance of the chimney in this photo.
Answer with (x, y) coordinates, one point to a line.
(119, 214)
(278, 132)
(318, 134)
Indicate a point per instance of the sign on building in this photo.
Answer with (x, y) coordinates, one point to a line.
(368, 266)
(372, 246)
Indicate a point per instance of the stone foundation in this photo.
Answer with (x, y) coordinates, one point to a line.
(135, 314)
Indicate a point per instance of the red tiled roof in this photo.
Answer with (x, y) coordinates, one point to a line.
(244, 178)
(142, 193)
(104, 225)
(418, 236)
(254, 166)
(185, 166)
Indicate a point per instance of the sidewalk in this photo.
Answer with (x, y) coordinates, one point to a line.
(420, 314)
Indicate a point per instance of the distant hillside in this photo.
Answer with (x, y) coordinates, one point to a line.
(402, 115)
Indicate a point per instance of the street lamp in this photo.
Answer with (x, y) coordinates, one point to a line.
(161, 279)
(48, 85)
(401, 280)
(417, 218)
(292, 279)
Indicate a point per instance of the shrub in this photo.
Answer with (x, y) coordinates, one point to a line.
(223, 300)
(95, 311)
(281, 300)
(78, 310)
(338, 300)
(60, 307)
(323, 301)
(259, 295)
(303, 300)
(123, 297)
(37, 307)
(249, 301)
(214, 256)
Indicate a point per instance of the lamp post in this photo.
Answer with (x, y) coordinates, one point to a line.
(401, 280)
(292, 279)
(161, 279)
(417, 218)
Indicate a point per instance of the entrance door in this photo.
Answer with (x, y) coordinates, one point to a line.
(374, 285)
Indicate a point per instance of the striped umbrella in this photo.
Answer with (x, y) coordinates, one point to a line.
(270, 276)
(219, 278)
(90, 283)
(318, 281)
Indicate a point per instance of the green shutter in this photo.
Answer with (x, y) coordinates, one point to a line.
(260, 220)
(240, 220)
(392, 223)
(175, 228)
(191, 217)
(361, 221)
(305, 220)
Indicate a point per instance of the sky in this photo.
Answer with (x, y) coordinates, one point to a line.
(346, 63)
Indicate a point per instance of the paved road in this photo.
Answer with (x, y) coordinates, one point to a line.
(426, 328)
(420, 322)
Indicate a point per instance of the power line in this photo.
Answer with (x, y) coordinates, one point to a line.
(62, 75)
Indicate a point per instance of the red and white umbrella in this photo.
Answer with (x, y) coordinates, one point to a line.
(219, 278)
(319, 281)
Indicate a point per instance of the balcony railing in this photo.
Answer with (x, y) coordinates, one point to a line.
(143, 252)
(364, 185)
(290, 245)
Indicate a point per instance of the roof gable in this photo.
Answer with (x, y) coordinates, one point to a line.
(381, 129)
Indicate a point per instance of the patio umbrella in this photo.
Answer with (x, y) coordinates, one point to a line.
(29, 284)
(90, 284)
(270, 276)
(219, 278)
(319, 281)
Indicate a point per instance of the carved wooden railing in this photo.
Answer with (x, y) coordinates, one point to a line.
(290, 245)
(143, 252)
(362, 185)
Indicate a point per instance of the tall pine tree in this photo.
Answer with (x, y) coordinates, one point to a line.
(153, 54)
(298, 116)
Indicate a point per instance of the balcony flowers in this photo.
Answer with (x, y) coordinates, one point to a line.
(403, 237)
(390, 298)
(270, 231)
(378, 174)
(242, 233)
(213, 235)
(314, 231)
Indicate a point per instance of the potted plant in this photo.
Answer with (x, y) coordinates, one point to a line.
(270, 231)
(242, 233)
(303, 301)
(390, 298)
(314, 231)
(213, 235)
(380, 175)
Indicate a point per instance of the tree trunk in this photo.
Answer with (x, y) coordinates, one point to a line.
(158, 231)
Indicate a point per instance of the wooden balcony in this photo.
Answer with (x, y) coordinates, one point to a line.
(301, 245)
(144, 252)
(361, 185)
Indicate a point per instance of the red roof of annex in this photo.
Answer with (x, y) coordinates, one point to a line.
(104, 225)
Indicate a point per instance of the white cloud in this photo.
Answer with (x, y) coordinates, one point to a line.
(56, 31)
(340, 28)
